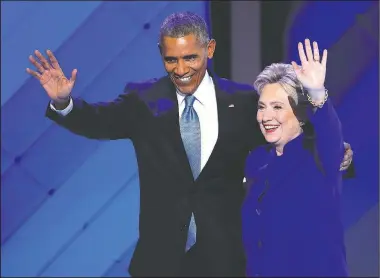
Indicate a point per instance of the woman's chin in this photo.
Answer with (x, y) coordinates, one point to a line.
(271, 139)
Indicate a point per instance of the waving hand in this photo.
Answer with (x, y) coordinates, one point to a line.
(312, 71)
(51, 76)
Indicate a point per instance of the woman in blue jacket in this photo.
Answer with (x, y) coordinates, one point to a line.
(291, 215)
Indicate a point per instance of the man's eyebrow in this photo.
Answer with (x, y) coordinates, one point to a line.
(184, 57)
(190, 56)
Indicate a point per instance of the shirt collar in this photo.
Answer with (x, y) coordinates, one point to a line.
(203, 93)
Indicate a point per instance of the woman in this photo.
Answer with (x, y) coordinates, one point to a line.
(291, 215)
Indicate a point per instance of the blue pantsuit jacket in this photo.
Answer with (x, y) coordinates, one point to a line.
(291, 214)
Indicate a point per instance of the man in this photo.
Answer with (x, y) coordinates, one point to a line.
(192, 132)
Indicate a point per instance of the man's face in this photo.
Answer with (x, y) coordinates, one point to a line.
(185, 60)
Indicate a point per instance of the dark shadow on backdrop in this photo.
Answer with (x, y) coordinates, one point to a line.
(220, 15)
(274, 16)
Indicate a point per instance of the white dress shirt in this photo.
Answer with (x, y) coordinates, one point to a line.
(206, 107)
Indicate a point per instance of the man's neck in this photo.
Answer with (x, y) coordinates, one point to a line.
(205, 79)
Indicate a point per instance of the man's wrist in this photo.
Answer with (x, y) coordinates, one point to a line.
(61, 104)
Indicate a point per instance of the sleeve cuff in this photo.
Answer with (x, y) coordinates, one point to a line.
(65, 111)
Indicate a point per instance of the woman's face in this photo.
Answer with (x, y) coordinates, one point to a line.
(276, 117)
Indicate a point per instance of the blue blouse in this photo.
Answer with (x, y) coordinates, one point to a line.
(291, 214)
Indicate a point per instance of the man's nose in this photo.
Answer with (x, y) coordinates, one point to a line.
(181, 69)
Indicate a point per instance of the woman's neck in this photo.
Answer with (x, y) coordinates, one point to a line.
(279, 150)
(280, 147)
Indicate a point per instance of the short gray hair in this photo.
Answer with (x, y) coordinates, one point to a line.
(181, 24)
(284, 75)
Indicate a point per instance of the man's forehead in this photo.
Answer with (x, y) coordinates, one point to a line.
(186, 40)
(173, 43)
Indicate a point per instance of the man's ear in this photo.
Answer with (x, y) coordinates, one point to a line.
(211, 48)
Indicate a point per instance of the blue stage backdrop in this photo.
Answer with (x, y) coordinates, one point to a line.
(69, 205)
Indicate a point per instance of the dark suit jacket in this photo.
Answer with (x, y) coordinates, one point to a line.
(147, 113)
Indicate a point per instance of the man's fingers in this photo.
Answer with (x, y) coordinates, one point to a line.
(346, 145)
(73, 75)
(53, 60)
(34, 73)
(43, 60)
(349, 153)
(347, 159)
(36, 64)
(342, 168)
(345, 165)
(346, 162)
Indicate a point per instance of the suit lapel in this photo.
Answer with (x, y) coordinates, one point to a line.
(166, 110)
(223, 100)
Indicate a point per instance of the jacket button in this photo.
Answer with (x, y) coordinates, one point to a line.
(184, 226)
(258, 211)
(259, 244)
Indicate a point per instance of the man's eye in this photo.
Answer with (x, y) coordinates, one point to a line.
(170, 60)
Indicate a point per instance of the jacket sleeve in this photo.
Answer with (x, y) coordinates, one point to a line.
(328, 137)
(103, 120)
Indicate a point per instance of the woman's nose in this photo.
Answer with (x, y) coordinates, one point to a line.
(267, 115)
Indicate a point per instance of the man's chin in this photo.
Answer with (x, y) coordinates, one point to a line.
(188, 90)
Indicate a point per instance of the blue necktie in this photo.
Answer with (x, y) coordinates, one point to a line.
(191, 137)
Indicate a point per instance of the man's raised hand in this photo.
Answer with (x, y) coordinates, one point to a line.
(51, 76)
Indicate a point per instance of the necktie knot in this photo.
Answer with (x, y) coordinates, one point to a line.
(189, 100)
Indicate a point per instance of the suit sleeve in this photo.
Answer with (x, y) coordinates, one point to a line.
(103, 120)
(328, 137)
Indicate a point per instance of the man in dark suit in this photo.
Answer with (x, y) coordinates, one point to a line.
(192, 132)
